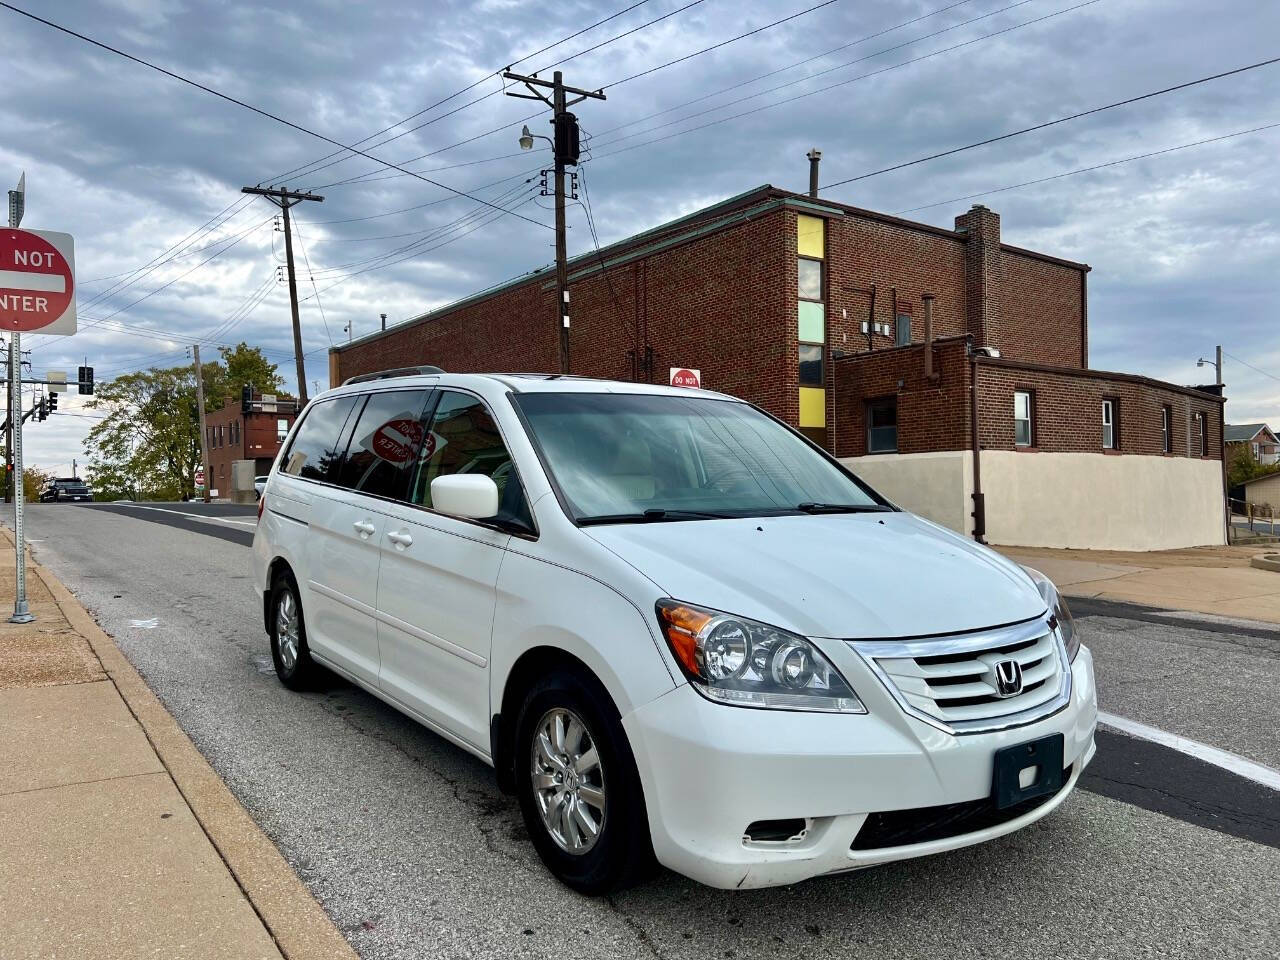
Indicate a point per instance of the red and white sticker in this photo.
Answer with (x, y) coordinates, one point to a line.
(37, 281)
(397, 441)
(686, 377)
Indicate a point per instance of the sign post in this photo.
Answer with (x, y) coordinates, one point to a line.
(37, 293)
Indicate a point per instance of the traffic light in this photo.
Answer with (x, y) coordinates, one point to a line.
(84, 377)
(53, 402)
(41, 412)
(246, 399)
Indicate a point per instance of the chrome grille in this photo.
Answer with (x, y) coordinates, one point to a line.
(951, 683)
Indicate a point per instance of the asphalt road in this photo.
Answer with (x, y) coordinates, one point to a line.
(412, 850)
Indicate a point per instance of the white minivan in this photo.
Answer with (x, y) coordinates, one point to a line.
(677, 629)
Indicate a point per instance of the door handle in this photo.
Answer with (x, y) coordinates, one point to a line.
(401, 539)
(365, 528)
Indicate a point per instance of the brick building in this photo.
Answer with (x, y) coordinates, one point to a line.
(232, 434)
(947, 367)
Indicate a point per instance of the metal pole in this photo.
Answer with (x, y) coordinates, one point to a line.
(562, 266)
(20, 612)
(204, 453)
(8, 446)
(293, 307)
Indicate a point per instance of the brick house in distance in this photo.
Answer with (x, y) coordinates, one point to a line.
(947, 368)
(232, 434)
(1258, 438)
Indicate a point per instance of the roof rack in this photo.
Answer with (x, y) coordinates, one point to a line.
(422, 371)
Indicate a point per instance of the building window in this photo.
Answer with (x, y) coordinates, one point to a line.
(1199, 436)
(902, 327)
(882, 425)
(220, 435)
(1022, 407)
(1110, 435)
(809, 276)
(1166, 429)
(1257, 451)
(282, 430)
(810, 365)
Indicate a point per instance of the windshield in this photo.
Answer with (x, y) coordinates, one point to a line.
(618, 457)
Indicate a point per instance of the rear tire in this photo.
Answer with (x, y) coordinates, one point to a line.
(289, 650)
(579, 791)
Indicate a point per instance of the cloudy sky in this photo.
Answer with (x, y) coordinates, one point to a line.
(146, 171)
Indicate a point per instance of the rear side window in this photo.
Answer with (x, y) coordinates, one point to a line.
(385, 443)
(463, 439)
(320, 445)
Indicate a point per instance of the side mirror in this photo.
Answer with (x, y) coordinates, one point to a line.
(472, 496)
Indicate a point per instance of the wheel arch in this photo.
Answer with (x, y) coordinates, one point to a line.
(277, 566)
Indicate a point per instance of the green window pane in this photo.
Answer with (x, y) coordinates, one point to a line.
(812, 322)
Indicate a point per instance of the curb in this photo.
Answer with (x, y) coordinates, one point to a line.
(1266, 561)
(292, 916)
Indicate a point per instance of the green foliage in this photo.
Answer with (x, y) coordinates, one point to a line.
(1242, 467)
(33, 481)
(148, 445)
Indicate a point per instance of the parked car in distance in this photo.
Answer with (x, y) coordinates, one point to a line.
(66, 488)
(677, 629)
(259, 484)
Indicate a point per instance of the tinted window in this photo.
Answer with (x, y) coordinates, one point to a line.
(882, 426)
(810, 365)
(384, 444)
(463, 439)
(317, 451)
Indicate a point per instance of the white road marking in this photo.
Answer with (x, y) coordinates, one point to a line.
(1231, 762)
(197, 516)
(150, 624)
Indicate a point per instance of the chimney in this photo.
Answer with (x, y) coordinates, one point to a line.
(928, 337)
(984, 273)
(815, 157)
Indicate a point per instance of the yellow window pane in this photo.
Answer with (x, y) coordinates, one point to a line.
(812, 322)
(810, 236)
(813, 407)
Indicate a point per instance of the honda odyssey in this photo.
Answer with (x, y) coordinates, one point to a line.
(678, 630)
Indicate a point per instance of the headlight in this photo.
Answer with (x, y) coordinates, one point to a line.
(1057, 605)
(748, 664)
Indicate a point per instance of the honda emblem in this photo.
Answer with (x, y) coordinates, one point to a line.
(1008, 678)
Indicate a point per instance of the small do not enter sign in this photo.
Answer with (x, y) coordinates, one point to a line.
(397, 441)
(685, 377)
(37, 282)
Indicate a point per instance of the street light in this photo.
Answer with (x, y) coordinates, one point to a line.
(527, 137)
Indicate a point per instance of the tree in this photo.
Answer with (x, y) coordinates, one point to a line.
(148, 445)
(1242, 467)
(240, 364)
(33, 481)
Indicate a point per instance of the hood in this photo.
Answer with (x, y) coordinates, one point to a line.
(837, 575)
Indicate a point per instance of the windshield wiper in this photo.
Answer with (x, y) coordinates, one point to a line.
(655, 515)
(810, 507)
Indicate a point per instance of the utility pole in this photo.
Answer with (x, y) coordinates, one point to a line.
(204, 452)
(284, 199)
(565, 145)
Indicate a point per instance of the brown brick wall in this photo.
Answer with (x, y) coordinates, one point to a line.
(257, 440)
(721, 303)
(1067, 411)
(1043, 301)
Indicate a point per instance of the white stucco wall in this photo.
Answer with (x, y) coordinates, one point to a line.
(937, 486)
(1088, 501)
(1094, 501)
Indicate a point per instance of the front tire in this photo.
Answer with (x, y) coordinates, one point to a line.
(578, 787)
(289, 650)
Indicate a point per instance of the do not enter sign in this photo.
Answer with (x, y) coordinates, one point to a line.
(685, 377)
(37, 281)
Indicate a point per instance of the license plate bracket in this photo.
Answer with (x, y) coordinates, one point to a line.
(1045, 755)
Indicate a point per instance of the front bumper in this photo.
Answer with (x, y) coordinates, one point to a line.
(710, 770)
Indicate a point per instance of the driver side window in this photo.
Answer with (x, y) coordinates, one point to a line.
(464, 438)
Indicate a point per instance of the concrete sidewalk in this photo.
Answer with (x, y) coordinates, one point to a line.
(116, 837)
(1213, 580)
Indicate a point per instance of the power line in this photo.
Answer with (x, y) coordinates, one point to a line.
(1096, 166)
(311, 276)
(494, 74)
(1250, 366)
(491, 93)
(1050, 123)
(851, 80)
(251, 107)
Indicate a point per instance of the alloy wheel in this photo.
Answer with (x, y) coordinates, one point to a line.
(568, 781)
(287, 629)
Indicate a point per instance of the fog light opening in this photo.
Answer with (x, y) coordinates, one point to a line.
(792, 830)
